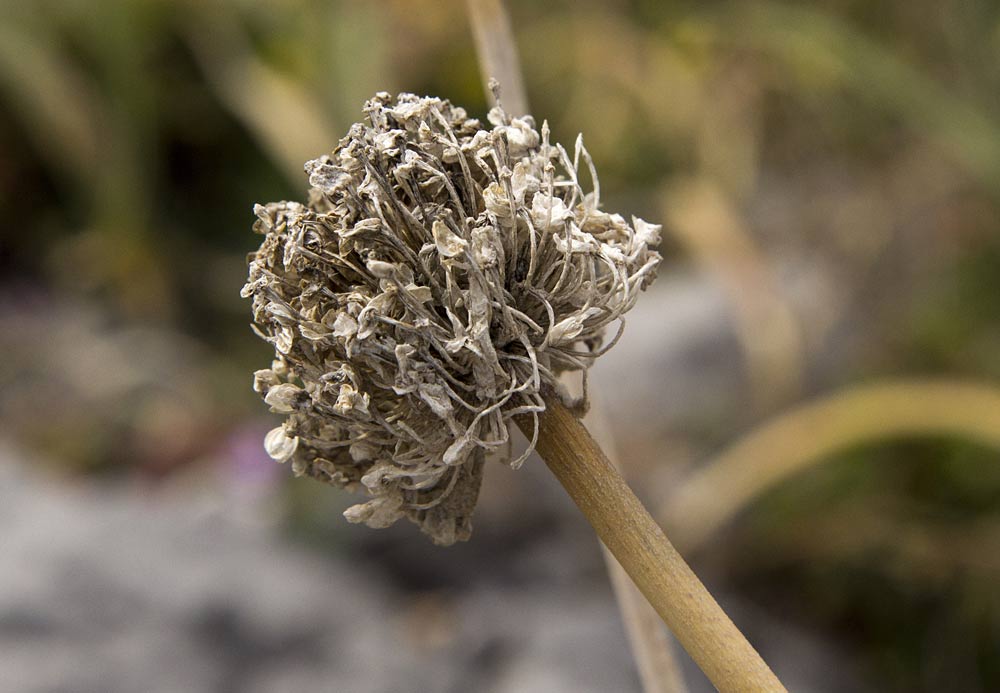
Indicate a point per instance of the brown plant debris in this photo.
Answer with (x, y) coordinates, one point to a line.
(441, 275)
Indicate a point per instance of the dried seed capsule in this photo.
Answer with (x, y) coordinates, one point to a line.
(441, 275)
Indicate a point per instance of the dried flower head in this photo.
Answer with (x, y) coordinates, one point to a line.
(440, 278)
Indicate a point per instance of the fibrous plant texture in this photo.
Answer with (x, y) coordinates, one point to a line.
(439, 279)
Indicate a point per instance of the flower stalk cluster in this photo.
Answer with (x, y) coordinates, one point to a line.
(439, 279)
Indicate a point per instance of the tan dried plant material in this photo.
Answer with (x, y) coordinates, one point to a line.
(440, 277)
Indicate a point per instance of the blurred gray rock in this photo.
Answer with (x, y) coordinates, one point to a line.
(113, 590)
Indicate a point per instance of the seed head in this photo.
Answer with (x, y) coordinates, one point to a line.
(439, 279)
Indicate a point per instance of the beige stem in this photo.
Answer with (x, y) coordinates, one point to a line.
(497, 53)
(640, 546)
(653, 648)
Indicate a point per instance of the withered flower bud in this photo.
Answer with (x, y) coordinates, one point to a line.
(439, 279)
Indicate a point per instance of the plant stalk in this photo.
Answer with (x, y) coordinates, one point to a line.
(643, 550)
(497, 52)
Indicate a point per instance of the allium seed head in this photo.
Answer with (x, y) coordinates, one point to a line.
(439, 279)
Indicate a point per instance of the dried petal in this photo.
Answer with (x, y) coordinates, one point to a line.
(279, 445)
(378, 513)
(264, 380)
(448, 243)
(285, 398)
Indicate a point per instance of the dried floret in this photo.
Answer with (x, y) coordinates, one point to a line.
(441, 277)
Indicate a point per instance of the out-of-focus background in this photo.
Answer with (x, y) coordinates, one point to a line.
(809, 397)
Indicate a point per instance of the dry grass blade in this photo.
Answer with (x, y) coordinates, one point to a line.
(652, 646)
(498, 53)
(811, 433)
(703, 219)
(54, 98)
(282, 115)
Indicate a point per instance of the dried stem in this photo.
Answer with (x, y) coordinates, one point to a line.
(498, 53)
(652, 646)
(640, 546)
